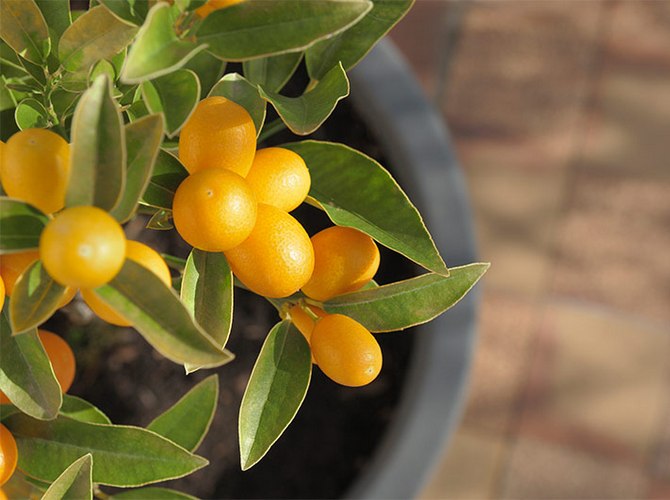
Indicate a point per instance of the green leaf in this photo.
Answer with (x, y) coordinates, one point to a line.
(407, 303)
(350, 46)
(75, 483)
(102, 67)
(63, 103)
(358, 192)
(161, 221)
(21, 225)
(272, 73)
(26, 376)
(142, 298)
(30, 113)
(79, 409)
(175, 96)
(24, 29)
(98, 149)
(157, 49)
(143, 140)
(132, 11)
(124, 456)
(268, 27)
(57, 16)
(208, 68)
(187, 421)
(35, 298)
(7, 101)
(152, 494)
(36, 72)
(236, 88)
(167, 175)
(95, 35)
(207, 292)
(304, 114)
(276, 389)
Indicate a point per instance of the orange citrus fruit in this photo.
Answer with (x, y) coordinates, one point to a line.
(214, 210)
(303, 321)
(346, 351)
(345, 259)
(277, 257)
(205, 10)
(12, 266)
(9, 454)
(83, 247)
(143, 255)
(219, 134)
(36, 168)
(279, 177)
(2, 293)
(61, 357)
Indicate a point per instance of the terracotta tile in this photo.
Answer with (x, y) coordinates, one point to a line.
(539, 470)
(611, 244)
(469, 469)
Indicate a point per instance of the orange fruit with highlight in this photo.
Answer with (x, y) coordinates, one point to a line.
(303, 321)
(345, 259)
(36, 168)
(205, 10)
(214, 210)
(277, 258)
(219, 134)
(61, 357)
(144, 256)
(83, 247)
(346, 351)
(9, 454)
(279, 177)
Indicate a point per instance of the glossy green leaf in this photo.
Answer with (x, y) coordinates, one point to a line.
(276, 389)
(167, 175)
(95, 35)
(24, 29)
(268, 27)
(350, 46)
(143, 140)
(156, 312)
(98, 149)
(187, 421)
(75, 483)
(207, 292)
(157, 49)
(273, 72)
(36, 72)
(57, 16)
(208, 68)
(102, 67)
(26, 376)
(36, 296)
(304, 114)
(79, 409)
(175, 96)
(132, 11)
(236, 88)
(152, 494)
(30, 113)
(358, 192)
(407, 303)
(161, 221)
(21, 225)
(124, 456)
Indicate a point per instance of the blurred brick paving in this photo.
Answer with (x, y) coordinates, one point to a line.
(560, 112)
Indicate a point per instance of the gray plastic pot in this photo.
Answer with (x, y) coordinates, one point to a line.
(393, 105)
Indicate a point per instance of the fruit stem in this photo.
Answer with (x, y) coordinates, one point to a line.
(305, 307)
(271, 129)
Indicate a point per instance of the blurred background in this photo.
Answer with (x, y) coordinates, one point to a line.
(560, 114)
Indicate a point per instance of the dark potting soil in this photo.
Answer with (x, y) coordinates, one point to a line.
(337, 429)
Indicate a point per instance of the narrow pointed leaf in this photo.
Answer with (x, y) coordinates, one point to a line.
(407, 303)
(21, 225)
(157, 49)
(57, 16)
(98, 149)
(152, 494)
(30, 113)
(273, 72)
(236, 88)
(350, 46)
(276, 389)
(268, 27)
(24, 29)
(167, 175)
(304, 114)
(358, 192)
(35, 298)
(187, 421)
(156, 312)
(143, 140)
(96, 34)
(175, 96)
(79, 409)
(124, 456)
(26, 376)
(75, 483)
